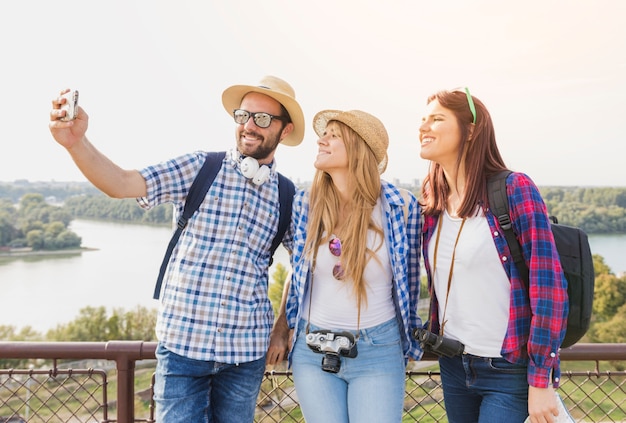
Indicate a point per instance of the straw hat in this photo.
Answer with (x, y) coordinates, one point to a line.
(280, 91)
(369, 127)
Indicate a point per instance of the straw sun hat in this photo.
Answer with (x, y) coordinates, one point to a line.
(370, 128)
(280, 91)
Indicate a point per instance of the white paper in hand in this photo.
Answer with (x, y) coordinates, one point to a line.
(564, 415)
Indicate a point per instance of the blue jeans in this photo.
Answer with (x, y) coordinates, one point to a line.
(484, 390)
(194, 391)
(367, 388)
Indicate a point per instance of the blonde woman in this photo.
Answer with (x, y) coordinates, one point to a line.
(352, 299)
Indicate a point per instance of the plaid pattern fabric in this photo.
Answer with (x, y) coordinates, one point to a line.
(537, 322)
(402, 242)
(214, 304)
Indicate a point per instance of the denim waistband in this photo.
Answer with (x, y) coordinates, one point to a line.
(391, 324)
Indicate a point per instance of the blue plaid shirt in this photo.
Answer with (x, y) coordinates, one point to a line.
(403, 245)
(214, 304)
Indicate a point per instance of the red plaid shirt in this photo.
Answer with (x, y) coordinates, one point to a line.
(538, 316)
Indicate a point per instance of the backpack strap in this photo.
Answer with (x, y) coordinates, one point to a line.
(196, 194)
(286, 191)
(499, 205)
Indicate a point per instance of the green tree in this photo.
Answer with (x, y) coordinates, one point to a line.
(613, 330)
(91, 325)
(599, 265)
(7, 222)
(609, 296)
(609, 305)
(35, 239)
(68, 239)
(137, 324)
(94, 324)
(7, 229)
(276, 288)
(9, 333)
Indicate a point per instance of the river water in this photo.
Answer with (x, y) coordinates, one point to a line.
(43, 292)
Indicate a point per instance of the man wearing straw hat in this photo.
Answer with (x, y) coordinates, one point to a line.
(215, 316)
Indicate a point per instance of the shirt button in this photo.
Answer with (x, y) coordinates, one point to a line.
(495, 233)
(552, 355)
(219, 330)
(504, 258)
(556, 379)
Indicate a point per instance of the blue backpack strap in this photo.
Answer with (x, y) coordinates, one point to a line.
(286, 191)
(195, 196)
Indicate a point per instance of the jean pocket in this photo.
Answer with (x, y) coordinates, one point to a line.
(385, 334)
(503, 366)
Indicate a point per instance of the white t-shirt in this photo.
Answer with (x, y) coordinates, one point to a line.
(333, 302)
(476, 309)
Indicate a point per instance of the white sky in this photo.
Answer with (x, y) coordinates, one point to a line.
(151, 73)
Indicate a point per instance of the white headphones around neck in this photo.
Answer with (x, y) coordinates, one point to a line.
(251, 169)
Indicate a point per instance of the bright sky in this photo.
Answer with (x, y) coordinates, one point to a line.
(151, 73)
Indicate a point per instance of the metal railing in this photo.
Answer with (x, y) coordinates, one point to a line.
(39, 384)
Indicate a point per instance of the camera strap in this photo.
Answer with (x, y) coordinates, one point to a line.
(432, 286)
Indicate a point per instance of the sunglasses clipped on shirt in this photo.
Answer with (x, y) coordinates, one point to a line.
(261, 119)
(335, 249)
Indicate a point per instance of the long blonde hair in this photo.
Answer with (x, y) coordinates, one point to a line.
(365, 188)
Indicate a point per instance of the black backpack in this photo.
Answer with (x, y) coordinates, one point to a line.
(574, 252)
(196, 194)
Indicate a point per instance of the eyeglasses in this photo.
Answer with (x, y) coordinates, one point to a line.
(470, 102)
(261, 119)
(335, 249)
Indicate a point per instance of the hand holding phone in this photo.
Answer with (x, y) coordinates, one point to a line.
(70, 106)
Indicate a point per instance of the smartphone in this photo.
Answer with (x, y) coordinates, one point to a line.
(70, 106)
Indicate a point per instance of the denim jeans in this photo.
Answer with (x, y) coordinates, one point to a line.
(367, 388)
(194, 391)
(484, 390)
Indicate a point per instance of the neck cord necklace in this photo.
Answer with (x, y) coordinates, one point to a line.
(458, 235)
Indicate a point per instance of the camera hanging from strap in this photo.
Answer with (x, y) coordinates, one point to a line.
(429, 341)
(333, 345)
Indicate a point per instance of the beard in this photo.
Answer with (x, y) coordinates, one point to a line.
(264, 149)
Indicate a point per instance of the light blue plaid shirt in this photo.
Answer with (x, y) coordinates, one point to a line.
(214, 304)
(403, 246)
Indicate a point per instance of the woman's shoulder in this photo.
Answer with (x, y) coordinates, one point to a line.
(520, 179)
(393, 193)
(521, 184)
(301, 199)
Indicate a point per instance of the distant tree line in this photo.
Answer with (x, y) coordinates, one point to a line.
(93, 324)
(38, 224)
(35, 224)
(594, 210)
(54, 192)
(101, 207)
